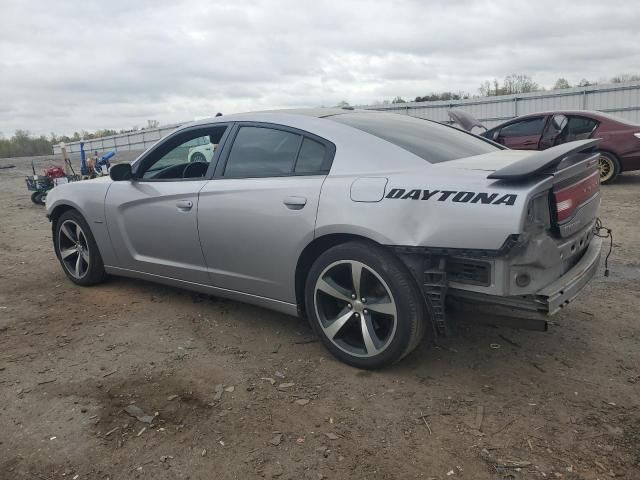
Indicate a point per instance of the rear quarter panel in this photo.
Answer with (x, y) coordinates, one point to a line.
(426, 205)
(619, 139)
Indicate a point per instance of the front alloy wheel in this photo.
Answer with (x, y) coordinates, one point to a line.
(77, 250)
(74, 249)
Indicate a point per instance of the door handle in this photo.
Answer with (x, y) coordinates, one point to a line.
(530, 142)
(295, 203)
(184, 205)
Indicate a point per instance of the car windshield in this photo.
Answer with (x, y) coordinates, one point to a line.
(429, 140)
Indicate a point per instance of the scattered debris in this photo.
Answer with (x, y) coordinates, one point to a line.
(43, 382)
(269, 379)
(141, 431)
(283, 386)
(172, 397)
(308, 340)
(111, 431)
(509, 341)
(331, 436)
(219, 389)
(136, 412)
(230, 389)
(276, 349)
(279, 374)
(276, 440)
(479, 418)
(302, 401)
(110, 373)
(422, 416)
(495, 346)
(538, 367)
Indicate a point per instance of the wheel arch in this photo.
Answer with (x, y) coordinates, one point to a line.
(57, 212)
(311, 252)
(614, 155)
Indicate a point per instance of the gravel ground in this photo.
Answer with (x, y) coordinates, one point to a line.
(236, 391)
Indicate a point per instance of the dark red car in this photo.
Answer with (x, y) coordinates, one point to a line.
(619, 146)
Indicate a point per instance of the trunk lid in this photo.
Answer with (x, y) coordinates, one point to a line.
(465, 120)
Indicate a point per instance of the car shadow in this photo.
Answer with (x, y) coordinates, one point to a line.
(630, 178)
(473, 351)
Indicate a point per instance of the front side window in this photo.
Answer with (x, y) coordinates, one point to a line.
(530, 126)
(431, 141)
(186, 155)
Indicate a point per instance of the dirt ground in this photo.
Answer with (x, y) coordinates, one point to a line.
(238, 392)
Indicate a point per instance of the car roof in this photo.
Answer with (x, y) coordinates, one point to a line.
(601, 116)
(320, 112)
(582, 113)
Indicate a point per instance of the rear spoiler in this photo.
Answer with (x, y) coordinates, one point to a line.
(545, 161)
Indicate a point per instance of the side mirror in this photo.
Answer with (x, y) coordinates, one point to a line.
(120, 172)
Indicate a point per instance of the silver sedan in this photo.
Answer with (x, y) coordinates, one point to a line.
(363, 222)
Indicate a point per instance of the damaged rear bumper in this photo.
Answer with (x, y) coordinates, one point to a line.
(536, 308)
(557, 295)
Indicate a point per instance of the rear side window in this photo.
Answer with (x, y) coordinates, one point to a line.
(531, 126)
(431, 141)
(262, 152)
(581, 125)
(311, 158)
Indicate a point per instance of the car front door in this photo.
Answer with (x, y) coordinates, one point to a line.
(152, 218)
(523, 134)
(259, 212)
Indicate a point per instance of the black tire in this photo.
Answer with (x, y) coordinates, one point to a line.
(38, 197)
(198, 157)
(409, 303)
(609, 167)
(95, 272)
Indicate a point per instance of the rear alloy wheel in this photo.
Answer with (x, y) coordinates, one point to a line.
(609, 167)
(364, 305)
(77, 250)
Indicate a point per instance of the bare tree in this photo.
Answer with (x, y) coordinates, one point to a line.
(561, 83)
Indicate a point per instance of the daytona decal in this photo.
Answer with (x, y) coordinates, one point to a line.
(454, 196)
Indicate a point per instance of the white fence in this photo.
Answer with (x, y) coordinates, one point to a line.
(621, 99)
(140, 140)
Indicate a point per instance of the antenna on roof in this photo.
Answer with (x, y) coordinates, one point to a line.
(218, 114)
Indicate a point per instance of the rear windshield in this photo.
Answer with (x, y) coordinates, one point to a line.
(431, 141)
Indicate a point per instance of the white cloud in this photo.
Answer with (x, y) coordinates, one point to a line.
(73, 65)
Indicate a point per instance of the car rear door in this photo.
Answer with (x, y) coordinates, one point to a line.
(152, 219)
(259, 212)
(523, 134)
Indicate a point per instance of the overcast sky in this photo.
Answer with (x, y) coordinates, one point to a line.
(82, 64)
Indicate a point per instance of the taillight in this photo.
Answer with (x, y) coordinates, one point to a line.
(637, 135)
(569, 199)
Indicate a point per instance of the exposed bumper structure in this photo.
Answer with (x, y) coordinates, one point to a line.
(532, 311)
(555, 296)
